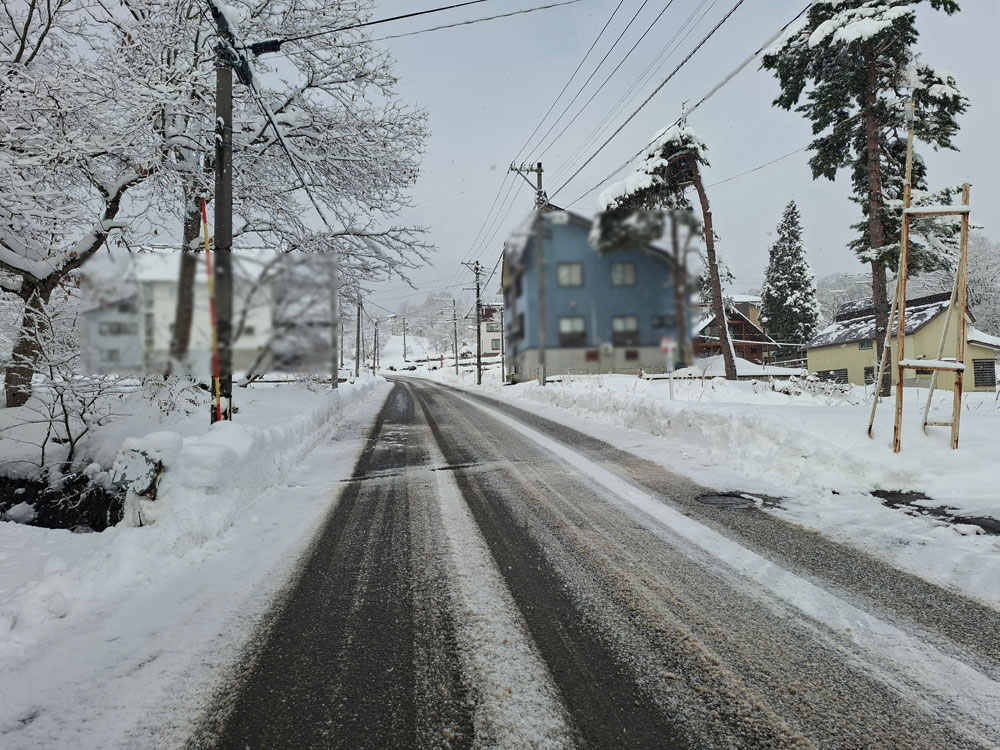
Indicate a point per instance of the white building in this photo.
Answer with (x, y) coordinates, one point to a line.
(128, 323)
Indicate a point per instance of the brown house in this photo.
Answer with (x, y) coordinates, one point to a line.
(749, 340)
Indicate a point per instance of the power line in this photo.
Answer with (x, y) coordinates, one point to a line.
(593, 73)
(569, 80)
(701, 101)
(274, 45)
(605, 82)
(652, 69)
(475, 21)
(654, 93)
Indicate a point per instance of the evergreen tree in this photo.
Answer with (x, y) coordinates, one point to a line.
(636, 208)
(789, 311)
(856, 59)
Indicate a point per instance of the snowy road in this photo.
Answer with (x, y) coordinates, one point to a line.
(492, 579)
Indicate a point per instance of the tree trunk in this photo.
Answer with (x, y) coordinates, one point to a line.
(718, 309)
(680, 298)
(876, 233)
(180, 341)
(27, 349)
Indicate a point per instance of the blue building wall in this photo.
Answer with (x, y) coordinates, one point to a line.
(597, 300)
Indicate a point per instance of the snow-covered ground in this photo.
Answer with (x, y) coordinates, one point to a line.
(806, 444)
(237, 503)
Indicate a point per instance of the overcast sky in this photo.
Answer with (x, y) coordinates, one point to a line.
(486, 87)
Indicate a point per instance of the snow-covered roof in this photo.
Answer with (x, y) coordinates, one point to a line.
(708, 319)
(753, 299)
(861, 327)
(975, 336)
(163, 264)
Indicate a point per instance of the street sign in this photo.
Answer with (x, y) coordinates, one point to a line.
(667, 344)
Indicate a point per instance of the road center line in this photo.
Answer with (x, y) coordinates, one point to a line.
(952, 681)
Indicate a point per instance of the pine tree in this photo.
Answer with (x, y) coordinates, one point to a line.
(856, 59)
(789, 311)
(637, 206)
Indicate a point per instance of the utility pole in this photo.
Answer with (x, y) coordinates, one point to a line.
(503, 348)
(335, 337)
(222, 268)
(357, 341)
(404, 340)
(340, 318)
(477, 270)
(541, 202)
(454, 322)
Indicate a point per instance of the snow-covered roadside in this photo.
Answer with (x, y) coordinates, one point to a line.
(138, 671)
(809, 449)
(54, 582)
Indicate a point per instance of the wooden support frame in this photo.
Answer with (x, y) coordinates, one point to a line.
(958, 300)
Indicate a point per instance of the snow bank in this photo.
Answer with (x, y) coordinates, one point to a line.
(806, 443)
(209, 480)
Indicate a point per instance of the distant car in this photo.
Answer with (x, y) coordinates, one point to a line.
(411, 367)
(391, 367)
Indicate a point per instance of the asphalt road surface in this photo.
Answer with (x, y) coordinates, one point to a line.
(488, 578)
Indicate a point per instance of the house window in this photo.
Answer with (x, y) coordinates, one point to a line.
(662, 321)
(492, 328)
(572, 332)
(148, 337)
(519, 332)
(570, 274)
(623, 274)
(117, 328)
(127, 306)
(866, 344)
(631, 355)
(249, 330)
(495, 344)
(593, 355)
(625, 330)
(518, 287)
(110, 355)
(985, 371)
(836, 376)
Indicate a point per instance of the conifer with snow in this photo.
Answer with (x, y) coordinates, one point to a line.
(853, 64)
(789, 310)
(637, 205)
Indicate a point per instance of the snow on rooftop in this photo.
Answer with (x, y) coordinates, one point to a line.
(862, 328)
(975, 336)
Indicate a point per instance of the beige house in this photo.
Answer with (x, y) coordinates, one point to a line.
(845, 350)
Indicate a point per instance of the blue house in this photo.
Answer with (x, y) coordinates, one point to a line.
(604, 312)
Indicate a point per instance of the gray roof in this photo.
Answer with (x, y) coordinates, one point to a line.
(861, 327)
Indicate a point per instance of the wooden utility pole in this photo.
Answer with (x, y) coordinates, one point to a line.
(404, 340)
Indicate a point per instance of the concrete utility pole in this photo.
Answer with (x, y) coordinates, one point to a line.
(454, 322)
(357, 341)
(477, 270)
(222, 268)
(335, 338)
(404, 340)
(541, 202)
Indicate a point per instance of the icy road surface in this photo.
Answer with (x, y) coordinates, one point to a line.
(492, 579)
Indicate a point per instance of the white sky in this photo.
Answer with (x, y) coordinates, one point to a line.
(486, 86)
